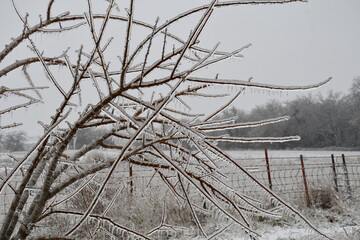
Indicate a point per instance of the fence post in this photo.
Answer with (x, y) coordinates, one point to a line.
(335, 174)
(347, 180)
(268, 168)
(308, 202)
(131, 179)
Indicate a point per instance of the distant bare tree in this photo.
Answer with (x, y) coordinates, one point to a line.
(13, 141)
(354, 100)
(156, 131)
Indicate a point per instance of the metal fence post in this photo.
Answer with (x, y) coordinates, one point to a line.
(347, 180)
(268, 168)
(131, 179)
(308, 202)
(335, 174)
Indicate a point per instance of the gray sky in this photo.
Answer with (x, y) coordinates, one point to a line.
(293, 44)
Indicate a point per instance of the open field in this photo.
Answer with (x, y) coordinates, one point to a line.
(330, 209)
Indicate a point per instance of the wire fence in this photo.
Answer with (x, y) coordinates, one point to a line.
(302, 179)
(298, 180)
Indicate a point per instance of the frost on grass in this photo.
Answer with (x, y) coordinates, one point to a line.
(141, 97)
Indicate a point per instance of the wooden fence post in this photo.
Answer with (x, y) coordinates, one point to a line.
(308, 202)
(268, 168)
(335, 174)
(347, 180)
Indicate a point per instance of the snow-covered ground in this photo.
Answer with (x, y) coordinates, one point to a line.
(335, 232)
(341, 222)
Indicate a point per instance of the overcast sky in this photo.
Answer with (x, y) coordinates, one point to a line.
(292, 44)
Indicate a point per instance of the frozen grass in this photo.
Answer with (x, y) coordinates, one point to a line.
(334, 217)
(330, 213)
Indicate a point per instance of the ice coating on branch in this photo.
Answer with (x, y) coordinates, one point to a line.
(214, 123)
(256, 139)
(244, 125)
(256, 85)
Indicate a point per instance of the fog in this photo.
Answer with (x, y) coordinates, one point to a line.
(292, 44)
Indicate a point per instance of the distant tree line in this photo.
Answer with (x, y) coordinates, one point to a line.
(332, 121)
(13, 141)
(17, 140)
(87, 135)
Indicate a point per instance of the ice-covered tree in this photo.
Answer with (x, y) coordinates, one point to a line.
(144, 100)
